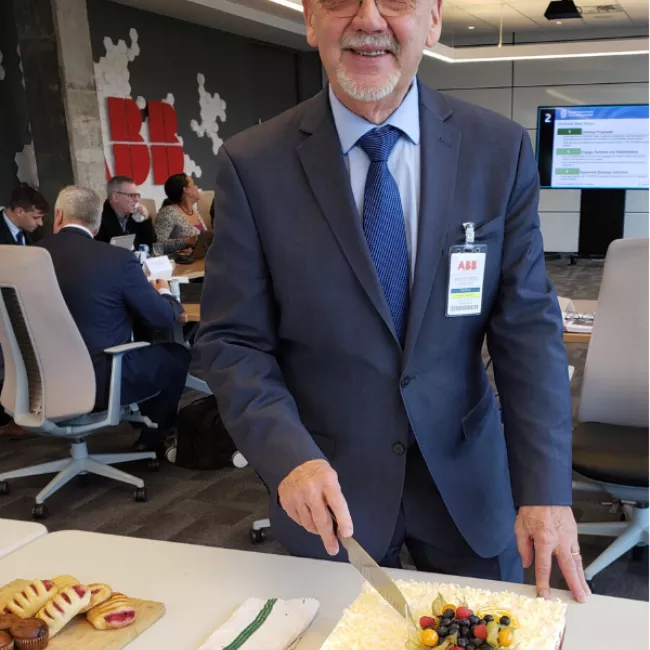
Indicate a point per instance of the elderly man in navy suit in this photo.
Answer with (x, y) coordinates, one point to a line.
(366, 244)
(106, 290)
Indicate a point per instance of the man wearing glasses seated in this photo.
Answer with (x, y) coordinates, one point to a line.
(123, 214)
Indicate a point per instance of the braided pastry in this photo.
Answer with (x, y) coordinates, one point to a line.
(27, 602)
(98, 594)
(118, 611)
(63, 582)
(64, 607)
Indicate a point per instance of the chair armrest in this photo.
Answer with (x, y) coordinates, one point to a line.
(127, 347)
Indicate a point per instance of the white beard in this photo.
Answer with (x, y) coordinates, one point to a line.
(363, 92)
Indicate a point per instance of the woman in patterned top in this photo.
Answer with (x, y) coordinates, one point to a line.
(178, 224)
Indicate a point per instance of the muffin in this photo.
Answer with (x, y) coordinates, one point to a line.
(6, 641)
(30, 634)
(6, 621)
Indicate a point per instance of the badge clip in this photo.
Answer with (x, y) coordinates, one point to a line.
(469, 235)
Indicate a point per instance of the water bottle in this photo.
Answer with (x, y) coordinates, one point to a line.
(143, 253)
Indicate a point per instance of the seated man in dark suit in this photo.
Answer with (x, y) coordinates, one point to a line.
(17, 222)
(123, 214)
(24, 214)
(105, 289)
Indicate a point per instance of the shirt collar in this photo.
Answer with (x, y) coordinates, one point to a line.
(351, 127)
(13, 228)
(78, 227)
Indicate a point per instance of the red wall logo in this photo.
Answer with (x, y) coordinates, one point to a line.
(133, 156)
(469, 265)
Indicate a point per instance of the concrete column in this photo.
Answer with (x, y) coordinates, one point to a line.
(80, 93)
(54, 41)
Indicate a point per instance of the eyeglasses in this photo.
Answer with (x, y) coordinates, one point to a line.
(135, 197)
(350, 8)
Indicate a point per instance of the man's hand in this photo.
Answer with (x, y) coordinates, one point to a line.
(547, 531)
(307, 492)
(142, 210)
(160, 284)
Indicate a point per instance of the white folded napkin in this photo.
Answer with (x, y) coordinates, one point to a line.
(270, 624)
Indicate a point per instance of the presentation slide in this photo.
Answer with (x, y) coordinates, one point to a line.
(594, 146)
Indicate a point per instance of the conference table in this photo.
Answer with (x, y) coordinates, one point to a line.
(196, 270)
(201, 586)
(14, 534)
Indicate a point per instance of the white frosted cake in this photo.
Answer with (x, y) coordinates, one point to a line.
(499, 621)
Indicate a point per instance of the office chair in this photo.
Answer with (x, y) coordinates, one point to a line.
(610, 442)
(49, 383)
(150, 204)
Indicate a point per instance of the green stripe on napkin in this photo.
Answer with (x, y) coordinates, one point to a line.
(255, 625)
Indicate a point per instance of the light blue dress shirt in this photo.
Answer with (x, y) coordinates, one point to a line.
(13, 228)
(404, 161)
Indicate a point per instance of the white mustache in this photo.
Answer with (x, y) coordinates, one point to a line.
(380, 41)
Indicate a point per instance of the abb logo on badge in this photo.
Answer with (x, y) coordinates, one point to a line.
(132, 154)
(468, 265)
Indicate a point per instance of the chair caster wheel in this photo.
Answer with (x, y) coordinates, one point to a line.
(4, 488)
(638, 552)
(39, 511)
(153, 465)
(257, 536)
(140, 494)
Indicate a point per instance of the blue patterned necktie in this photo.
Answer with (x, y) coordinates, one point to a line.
(20, 238)
(383, 225)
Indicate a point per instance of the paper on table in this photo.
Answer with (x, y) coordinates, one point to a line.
(270, 624)
(159, 268)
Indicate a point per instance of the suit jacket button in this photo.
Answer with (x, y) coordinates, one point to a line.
(399, 449)
(405, 381)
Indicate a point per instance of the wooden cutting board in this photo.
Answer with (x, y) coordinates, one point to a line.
(79, 634)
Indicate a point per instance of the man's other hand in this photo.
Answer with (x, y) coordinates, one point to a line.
(160, 284)
(547, 531)
(307, 492)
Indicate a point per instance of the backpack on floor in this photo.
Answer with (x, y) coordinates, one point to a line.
(203, 442)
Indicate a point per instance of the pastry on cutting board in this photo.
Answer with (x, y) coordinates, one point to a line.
(63, 582)
(64, 607)
(7, 620)
(28, 601)
(99, 593)
(118, 611)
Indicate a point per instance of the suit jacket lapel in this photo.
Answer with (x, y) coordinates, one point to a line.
(439, 146)
(324, 165)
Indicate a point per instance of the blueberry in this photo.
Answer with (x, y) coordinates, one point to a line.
(448, 613)
(464, 631)
(443, 631)
(453, 628)
(482, 622)
(486, 646)
(462, 643)
(504, 620)
(474, 620)
(462, 621)
(487, 618)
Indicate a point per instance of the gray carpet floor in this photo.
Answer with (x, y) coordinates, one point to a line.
(217, 507)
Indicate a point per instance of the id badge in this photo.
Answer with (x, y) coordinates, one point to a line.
(466, 271)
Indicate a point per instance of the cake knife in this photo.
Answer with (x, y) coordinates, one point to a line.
(376, 576)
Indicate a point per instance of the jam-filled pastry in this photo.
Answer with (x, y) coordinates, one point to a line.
(63, 582)
(118, 611)
(64, 607)
(98, 594)
(27, 602)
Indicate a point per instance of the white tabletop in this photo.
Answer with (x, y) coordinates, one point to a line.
(14, 534)
(201, 586)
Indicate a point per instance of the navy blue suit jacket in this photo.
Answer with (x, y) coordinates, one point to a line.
(299, 347)
(105, 290)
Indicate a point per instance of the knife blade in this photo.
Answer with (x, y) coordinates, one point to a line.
(376, 576)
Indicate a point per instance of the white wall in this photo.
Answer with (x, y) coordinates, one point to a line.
(516, 89)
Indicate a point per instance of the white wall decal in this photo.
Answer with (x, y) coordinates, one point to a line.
(212, 108)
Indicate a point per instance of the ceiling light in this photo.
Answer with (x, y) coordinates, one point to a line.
(558, 22)
(471, 27)
(287, 3)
